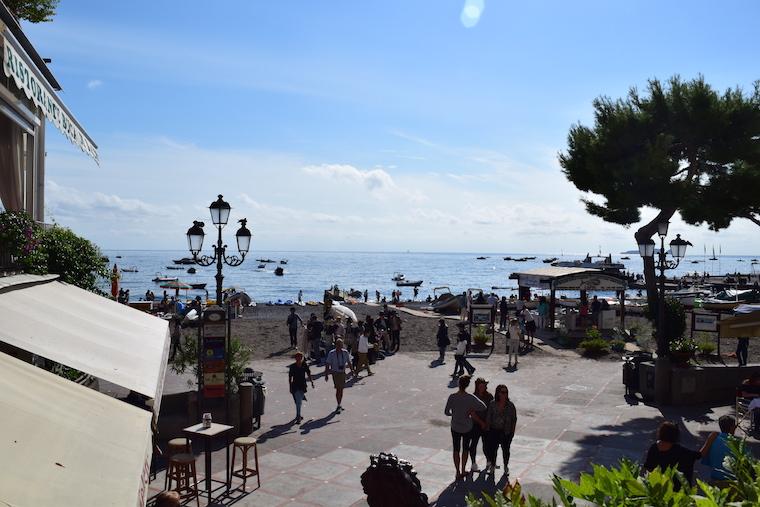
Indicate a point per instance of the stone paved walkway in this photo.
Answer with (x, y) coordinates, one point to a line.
(571, 413)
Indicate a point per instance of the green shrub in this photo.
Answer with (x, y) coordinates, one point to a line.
(683, 344)
(624, 486)
(593, 333)
(594, 347)
(706, 348)
(186, 359)
(617, 345)
(480, 336)
(675, 318)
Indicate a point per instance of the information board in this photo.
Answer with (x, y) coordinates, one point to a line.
(213, 352)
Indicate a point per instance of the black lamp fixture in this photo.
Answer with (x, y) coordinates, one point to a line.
(220, 215)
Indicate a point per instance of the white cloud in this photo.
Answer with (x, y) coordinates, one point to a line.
(94, 83)
(372, 180)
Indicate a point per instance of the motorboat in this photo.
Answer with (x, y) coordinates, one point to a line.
(507, 258)
(192, 271)
(398, 277)
(184, 260)
(730, 298)
(162, 278)
(284, 261)
(198, 286)
(174, 267)
(261, 266)
(550, 260)
(529, 258)
(481, 258)
(408, 283)
(131, 269)
(278, 271)
(689, 295)
(118, 256)
(265, 261)
(446, 303)
(626, 258)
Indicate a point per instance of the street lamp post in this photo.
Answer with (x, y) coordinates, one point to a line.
(220, 214)
(662, 264)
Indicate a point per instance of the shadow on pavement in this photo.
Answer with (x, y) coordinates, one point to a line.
(314, 424)
(477, 484)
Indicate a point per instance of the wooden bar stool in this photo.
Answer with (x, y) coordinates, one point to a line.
(245, 444)
(182, 472)
(174, 446)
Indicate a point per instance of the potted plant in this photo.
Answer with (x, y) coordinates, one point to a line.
(682, 350)
(480, 337)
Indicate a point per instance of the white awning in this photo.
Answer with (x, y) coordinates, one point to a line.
(85, 331)
(28, 78)
(64, 444)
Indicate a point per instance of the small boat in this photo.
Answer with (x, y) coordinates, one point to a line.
(131, 269)
(265, 261)
(398, 277)
(198, 286)
(174, 267)
(695, 262)
(261, 266)
(549, 260)
(529, 258)
(284, 261)
(713, 258)
(191, 271)
(626, 258)
(520, 259)
(118, 256)
(278, 271)
(407, 283)
(184, 260)
(161, 278)
(481, 258)
(507, 258)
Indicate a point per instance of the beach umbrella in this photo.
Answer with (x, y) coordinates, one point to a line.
(245, 299)
(341, 311)
(176, 285)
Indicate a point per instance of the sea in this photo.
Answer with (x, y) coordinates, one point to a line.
(313, 272)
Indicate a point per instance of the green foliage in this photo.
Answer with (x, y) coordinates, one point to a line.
(617, 345)
(624, 486)
(186, 359)
(53, 250)
(34, 11)
(594, 347)
(670, 148)
(675, 317)
(706, 347)
(684, 345)
(593, 333)
(480, 336)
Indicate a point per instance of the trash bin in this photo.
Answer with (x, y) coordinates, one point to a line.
(259, 400)
(631, 367)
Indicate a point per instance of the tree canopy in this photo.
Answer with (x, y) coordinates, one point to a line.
(34, 11)
(681, 146)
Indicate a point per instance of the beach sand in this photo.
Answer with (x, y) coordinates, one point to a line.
(264, 329)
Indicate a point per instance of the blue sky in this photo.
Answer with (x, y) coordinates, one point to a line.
(384, 125)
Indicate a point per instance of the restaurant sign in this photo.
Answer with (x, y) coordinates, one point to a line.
(28, 78)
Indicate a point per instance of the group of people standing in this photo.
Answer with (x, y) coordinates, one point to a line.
(480, 417)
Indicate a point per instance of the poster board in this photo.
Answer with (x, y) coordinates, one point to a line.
(213, 352)
(481, 314)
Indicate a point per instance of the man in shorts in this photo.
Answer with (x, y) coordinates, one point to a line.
(336, 363)
(463, 407)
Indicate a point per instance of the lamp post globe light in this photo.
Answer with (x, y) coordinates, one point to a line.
(220, 214)
(662, 263)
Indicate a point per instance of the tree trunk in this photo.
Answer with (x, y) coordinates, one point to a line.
(650, 276)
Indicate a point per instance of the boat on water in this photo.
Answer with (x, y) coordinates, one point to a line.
(481, 258)
(529, 258)
(192, 271)
(184, 260)
(118, 256)
(398, 277)
(605, 264)
(198, 286)
(261, 266)
(131, 269)
(408, 283)
(284, 261)
(278, 271)
(626, 258)
(445, 302)
(163, 278)
(265, 261)
(520, 259)
(730, 298)
(174, 267)
(507, 258)
(713, 258)
(549, 260)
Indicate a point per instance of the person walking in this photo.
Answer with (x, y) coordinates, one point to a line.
(503, 314)
(742, 350)
(298, 372)
(442, 340)
(530, 325)
(462, 407)
(300, 296)
(501, 421)
(596, 307)
(394, 322)
(362, 349)
(479, 428)
(513, 341)
(366, 295)
(336, 363)
(294, 322)
(314, 332)
(462, 364)
(543, 312)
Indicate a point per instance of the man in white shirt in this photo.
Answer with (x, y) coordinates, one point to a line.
(335, 364)
(362, 348)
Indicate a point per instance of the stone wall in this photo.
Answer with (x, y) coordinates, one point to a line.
(697, 385)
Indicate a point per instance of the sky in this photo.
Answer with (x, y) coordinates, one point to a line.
(382, 125)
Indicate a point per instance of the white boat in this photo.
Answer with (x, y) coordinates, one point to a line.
(589, 262)
(130, 269)
(398, 277)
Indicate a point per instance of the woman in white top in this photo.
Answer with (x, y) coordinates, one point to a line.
(513, 342)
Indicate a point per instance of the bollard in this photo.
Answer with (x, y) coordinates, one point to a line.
(245, 392)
